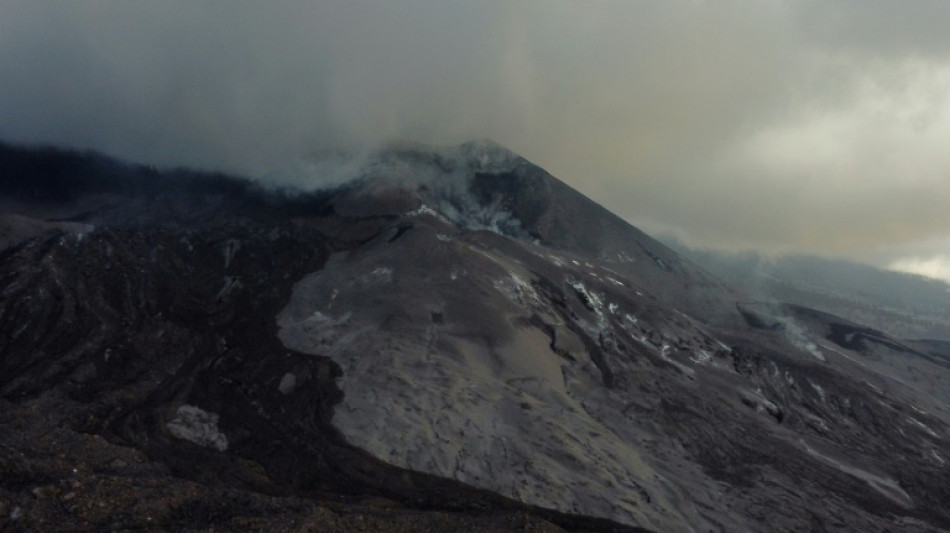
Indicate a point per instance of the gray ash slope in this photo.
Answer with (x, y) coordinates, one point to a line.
(456, 338)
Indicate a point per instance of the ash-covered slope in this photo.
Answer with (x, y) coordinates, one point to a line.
(456, 340)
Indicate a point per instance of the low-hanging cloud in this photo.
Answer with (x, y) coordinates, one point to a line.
(804, 125)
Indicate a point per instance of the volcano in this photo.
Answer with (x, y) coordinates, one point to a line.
(453, 340)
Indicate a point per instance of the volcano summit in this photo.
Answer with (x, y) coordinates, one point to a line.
(455, 340)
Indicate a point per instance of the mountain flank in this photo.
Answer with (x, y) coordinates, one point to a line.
(453, 340)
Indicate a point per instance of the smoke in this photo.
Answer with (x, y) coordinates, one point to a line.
(937, 267)
(249, 86)
(782, 126)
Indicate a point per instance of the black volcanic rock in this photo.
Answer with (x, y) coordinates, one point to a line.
(454, 341)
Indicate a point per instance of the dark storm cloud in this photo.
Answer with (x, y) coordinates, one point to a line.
(802, 125)
(242, 85)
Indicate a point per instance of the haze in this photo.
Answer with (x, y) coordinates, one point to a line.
(799, 126)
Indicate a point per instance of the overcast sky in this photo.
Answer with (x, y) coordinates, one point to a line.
(817, 126)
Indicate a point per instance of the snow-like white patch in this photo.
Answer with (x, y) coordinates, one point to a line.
(382, 272)
(198, 426)
(443, 237)
(624, 258)
(615, 281)
(923, 426)
(759, 401)
(612, 307)
(839, 352)
(595, 302)
(937, 457)
(769, 405)
(557, 261)
(377, 275)
(516, 289)
(630, 318)
(665, 355)
(422, 210)
(287, 384)
(701, 357)
(818, 389)
(816, 422)
(765, 403)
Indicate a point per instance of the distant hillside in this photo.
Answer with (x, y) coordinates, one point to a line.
(903, 305)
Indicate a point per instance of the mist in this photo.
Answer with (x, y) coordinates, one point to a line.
(784, 127)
